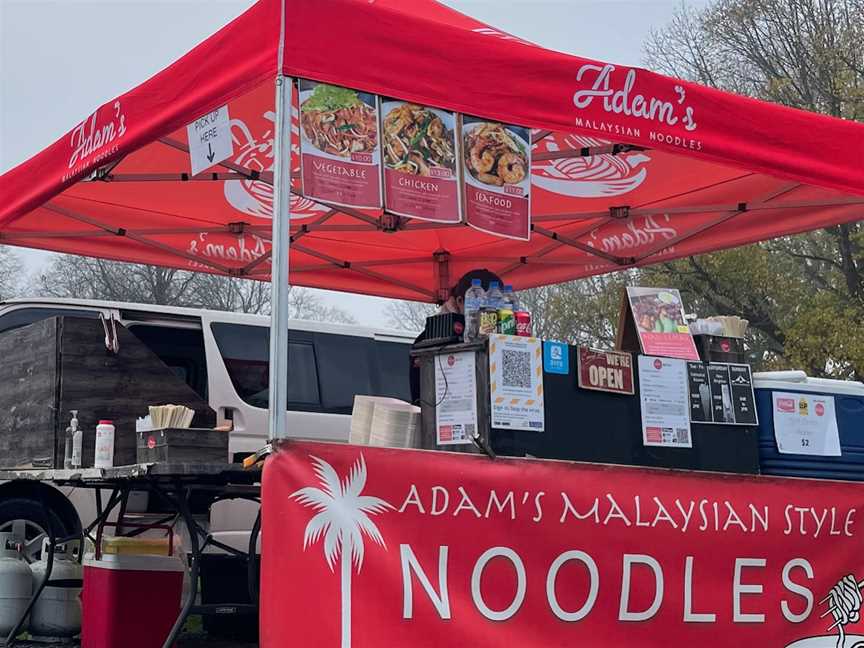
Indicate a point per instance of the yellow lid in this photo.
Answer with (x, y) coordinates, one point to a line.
(121, 546)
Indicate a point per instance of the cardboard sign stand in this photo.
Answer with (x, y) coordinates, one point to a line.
(627, 337)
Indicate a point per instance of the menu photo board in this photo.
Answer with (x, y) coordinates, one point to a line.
(721, 393)
(420, 148)
(340, 153)
(655, 316)
(496, 161)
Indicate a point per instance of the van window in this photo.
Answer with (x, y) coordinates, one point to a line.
(392, 376)
(345, 364)
(246, 353)
(181, 349)
(24, 316)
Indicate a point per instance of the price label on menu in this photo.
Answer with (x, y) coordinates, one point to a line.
(340, 154)
(419, 146)
(497, 174)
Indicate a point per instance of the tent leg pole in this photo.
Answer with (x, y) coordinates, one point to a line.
(279, 284)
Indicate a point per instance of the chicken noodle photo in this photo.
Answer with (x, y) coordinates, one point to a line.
(494, 155)
(337, 121)
(420, 152)
(417, 141)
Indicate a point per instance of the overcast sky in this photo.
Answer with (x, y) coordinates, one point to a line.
(61, 59)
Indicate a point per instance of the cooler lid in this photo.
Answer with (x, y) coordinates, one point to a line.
(129, 562)
(800, 381)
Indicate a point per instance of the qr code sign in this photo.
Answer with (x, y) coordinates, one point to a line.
(516, 368)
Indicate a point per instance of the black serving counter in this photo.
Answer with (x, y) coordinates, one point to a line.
(588, 425)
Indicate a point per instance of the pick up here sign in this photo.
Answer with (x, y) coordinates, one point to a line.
(379, 547)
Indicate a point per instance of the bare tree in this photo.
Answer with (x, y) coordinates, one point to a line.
(807, 54)
(10, 273)
(304, 304)
(583, 311)
(86, 278)
(408, 315)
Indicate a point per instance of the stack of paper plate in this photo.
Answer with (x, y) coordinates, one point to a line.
(395, 425)
(361, 417)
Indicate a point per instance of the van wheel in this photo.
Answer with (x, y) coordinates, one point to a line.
(25, 519)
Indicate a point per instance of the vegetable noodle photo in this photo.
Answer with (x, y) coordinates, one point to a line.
(337, 121)
(494, 156)
(416, 141)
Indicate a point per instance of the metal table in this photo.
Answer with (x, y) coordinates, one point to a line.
(174, 484)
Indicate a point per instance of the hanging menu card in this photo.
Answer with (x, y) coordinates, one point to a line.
(340, 155)
(721, 393)
(419, 146)
(497, 175)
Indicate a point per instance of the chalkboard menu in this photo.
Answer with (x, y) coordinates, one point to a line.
(721, 393)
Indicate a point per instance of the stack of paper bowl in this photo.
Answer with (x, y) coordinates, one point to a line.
(361, 417)
(395, 425)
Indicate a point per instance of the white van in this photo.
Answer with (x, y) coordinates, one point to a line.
(225, 358)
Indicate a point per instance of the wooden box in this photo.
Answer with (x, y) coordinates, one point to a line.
(186, 445)
(718, 348)
(427, 357)
(56, 365)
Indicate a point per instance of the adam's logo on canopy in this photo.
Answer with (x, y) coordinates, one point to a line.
(93, 135)
(625, 100)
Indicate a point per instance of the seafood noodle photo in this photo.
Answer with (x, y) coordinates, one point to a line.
(337, 121)
(417, 141)
(494, 155)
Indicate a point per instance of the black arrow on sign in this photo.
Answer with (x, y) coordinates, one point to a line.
(212, 154)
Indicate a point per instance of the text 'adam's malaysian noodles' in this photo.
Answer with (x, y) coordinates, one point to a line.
(420, 148)
(339, 144)
(90, 139)
(625, 103)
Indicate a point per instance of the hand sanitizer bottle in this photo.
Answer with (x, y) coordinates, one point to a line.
(77, 440)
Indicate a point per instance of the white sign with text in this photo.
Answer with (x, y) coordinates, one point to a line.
(209, 140)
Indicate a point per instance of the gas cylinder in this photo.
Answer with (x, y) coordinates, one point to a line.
(57, 612)
(15, 584)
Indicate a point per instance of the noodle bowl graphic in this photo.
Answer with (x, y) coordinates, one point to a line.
(596, 176)
(255, 197)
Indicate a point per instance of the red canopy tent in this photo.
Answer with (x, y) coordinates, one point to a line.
(711, 170)
(629, 167)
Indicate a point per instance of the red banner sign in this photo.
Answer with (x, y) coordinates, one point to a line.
(610, 371)
(377, 547)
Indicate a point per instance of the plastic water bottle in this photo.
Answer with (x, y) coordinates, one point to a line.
(510, 298)
(475, 298)
(494, 298)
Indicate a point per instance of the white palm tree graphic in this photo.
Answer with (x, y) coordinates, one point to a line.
(342, 518)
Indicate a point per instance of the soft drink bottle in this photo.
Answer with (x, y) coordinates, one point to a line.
(475, 298)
